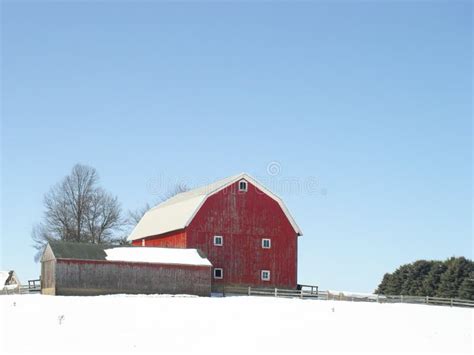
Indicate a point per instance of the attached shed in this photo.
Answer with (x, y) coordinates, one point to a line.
(91, 269)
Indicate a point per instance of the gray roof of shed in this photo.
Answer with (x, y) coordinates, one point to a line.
(71, 250)
(134, 254)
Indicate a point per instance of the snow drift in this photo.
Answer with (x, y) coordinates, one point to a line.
(233, 325)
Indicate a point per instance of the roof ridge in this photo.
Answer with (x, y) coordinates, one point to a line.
(204, 190)
(178, 211)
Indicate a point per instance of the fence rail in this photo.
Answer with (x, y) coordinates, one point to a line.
(306, 292)
(335, 296)
(34, 286)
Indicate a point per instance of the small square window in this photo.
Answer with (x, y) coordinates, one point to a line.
(266, 243)
(243, 185)
(218, 240)
(218, 273)
(265, 275)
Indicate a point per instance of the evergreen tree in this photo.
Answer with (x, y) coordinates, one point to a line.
(453, 278)
(392, 284)
(383, 287)
(406, 276)
(431, 281)
(466, 290)
(416, 274)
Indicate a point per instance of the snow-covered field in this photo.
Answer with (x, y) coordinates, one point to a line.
(245, 325)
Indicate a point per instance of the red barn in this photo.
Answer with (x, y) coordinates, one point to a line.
(243, 228)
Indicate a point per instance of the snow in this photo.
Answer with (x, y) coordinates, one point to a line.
(354, 294)
(3, 277)
(125, 324)
(157, 255)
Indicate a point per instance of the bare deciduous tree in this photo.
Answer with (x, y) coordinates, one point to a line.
(103, 217)
(134, 216)
(78, 210)
(175, 190)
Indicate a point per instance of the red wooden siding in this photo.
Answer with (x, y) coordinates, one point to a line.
(176, 239)
(243, 219)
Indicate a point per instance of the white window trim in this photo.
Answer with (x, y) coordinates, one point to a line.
(269, 243)
(222, 273)
(269, 275)
(222, 240)
(246, 186)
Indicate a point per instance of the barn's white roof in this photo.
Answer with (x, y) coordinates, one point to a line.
(178, 211)
(157, 255)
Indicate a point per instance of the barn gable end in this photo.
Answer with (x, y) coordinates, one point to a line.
(178, 212)
(243, 220)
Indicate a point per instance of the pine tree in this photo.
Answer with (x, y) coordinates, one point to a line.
(382, 287)
(466, 290)
(451, 280)
(431, 281)
(416, 274)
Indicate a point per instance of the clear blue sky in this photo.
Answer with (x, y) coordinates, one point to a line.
(371, 100)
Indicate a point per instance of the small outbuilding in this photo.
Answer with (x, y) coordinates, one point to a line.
(9, 282)
(89, 269)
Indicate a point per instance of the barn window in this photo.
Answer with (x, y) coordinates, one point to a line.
(265, 275)
(243, 185)
(266, 243)
(218, 273)
(218, 240)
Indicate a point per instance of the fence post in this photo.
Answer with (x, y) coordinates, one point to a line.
(301, 292)
(276, 292)
(401, 298)
(377, 298)
(451, 302)
(426, 300)
(249, 290)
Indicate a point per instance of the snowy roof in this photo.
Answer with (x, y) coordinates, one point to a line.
(157, 255)
(3, 277)
(86, 251)
(178, 211)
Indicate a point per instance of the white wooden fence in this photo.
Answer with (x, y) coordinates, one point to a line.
(328, 295)
(34, 286)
